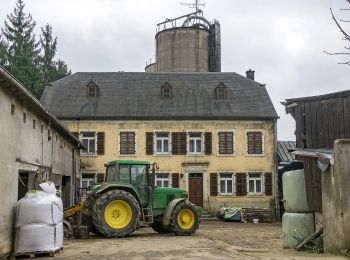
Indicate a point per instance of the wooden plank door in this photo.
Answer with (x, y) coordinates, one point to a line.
(195, 188)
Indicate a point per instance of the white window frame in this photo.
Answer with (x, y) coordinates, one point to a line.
(89, 179)
(226, 179)
(262, 142)
(81, 131)
(162, 139)
(201, 132)
(127, 130)
(254, 193)
(218, 142)
(169, 179)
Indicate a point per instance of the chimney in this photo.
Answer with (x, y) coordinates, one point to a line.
(250, 74)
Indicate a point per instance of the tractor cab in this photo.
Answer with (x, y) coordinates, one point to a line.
(129, 172)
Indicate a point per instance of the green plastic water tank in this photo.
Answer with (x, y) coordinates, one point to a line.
(294, 192)
(296, 227)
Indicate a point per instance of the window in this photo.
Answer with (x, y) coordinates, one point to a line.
(254, 142)
(226, 183)
(220, 91)
(24, 117)
(33, 123)
(92, 90)
(162, 143)
(195, 143)
(42, 129)
(255, 183)
(127, 143)
(166, 91)
(162, 180)
(225, 142)
(13, 109)
(89, 141)
(87, 180)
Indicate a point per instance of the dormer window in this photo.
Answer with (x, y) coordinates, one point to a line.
(92, 90)
(166, 91)
(220, 91)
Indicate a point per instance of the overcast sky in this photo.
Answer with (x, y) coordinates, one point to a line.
(282, 40)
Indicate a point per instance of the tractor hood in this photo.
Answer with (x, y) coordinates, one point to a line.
(163, 196)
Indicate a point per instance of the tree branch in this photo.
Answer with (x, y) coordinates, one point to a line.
(337, 53)
(347, 37)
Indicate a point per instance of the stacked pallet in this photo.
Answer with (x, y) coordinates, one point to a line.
(263, 214)
(298, 220)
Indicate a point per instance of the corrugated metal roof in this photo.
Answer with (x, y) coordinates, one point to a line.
(284, 151)
(137, 95)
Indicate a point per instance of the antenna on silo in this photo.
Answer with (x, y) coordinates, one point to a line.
(195, 5)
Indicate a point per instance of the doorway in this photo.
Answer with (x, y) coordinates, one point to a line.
(195, 188)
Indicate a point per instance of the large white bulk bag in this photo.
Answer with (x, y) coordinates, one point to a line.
(294, 192)
(39, 207)
(38, 238)
(296, 227)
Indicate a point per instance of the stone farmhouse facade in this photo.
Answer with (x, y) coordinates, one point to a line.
(213, 134)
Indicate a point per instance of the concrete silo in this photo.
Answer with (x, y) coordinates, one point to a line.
(194, 46)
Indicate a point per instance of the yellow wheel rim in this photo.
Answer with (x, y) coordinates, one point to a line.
(185, 218)
(118, 214)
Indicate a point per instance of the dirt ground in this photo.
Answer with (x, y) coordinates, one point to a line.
(213, 240)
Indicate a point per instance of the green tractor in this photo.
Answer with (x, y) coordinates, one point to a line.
(128, 200)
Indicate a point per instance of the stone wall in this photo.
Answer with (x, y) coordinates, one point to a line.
(336, 200)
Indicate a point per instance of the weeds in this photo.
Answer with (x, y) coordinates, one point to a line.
(315, 246)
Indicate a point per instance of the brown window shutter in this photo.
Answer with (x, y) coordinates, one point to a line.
(208, 143)
(254, 142)
(183, 143)
(268, 183)
(179, 143)
(175, 143)
(213, 184)
(225, 142)
(100, 143)
(149, 143)
(241, 184)
(175, 180)
(76, 134)
(100, 177)
(127, 142)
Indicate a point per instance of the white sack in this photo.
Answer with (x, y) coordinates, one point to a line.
(296, 227)
(294, 192)
(38, 238)
(39, 207)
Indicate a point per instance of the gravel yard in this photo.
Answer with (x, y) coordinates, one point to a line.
(213, 240)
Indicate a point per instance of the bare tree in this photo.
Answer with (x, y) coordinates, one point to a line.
(340, 24)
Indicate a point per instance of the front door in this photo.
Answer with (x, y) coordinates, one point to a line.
(195, 188)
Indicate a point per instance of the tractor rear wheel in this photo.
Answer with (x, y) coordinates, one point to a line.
(184, 219)
(160, 228)
(116, 214)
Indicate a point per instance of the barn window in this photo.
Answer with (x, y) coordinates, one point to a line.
(92, 90)
(220, 91)
(166, 91)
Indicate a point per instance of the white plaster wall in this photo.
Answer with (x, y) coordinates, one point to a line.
(25, 148)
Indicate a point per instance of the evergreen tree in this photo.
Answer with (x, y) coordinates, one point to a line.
(3, 49)
(52, 70)
(22, 49)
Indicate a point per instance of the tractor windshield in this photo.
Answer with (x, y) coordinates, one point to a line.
(135, 174)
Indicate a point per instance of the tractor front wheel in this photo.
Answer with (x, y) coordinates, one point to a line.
(116, 214)
(184, 219)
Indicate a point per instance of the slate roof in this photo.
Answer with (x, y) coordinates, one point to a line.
(137, 95)
(284, 151)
